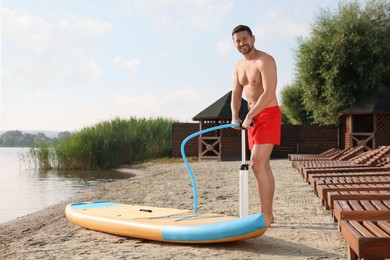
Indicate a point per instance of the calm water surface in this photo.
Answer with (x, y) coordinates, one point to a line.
(25, 190)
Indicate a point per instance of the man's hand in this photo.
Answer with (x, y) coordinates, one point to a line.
(236, 120)
(247, 122)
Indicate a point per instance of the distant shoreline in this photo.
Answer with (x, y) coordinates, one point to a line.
(48, 133)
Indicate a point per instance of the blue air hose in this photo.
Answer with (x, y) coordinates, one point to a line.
(185, 157)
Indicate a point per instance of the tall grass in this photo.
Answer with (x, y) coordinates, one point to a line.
(41, 155)
(112, 143)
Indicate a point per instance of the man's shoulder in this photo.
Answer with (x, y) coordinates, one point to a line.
(264, 58)
(262, 55)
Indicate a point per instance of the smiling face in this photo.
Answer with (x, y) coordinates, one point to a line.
(243, 42)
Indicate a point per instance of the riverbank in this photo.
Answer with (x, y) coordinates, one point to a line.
(303, 228)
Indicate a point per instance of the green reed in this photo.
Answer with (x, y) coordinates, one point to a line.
(41, 155)
(112, 143)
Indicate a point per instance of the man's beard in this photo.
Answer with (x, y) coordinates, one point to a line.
(245, 49)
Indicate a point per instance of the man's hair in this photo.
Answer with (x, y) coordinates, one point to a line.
(241, 28)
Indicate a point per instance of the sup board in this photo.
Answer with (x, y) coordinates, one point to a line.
(164, 224)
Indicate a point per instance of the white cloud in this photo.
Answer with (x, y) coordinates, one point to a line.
(211, 16)
(27, 32)
(181, 105)
(173, 15)
(223, 47)
(180, 98)
(35, 35)
(128, 65)
(283, 20)
(164, 55)
(292, 29)
(89, 69)
(281, 28)
(64, 24)
(168, 24)
(144, 100)
(90, 26)
(124, 8)
(155, 7)
(44, 53)
(50, 73)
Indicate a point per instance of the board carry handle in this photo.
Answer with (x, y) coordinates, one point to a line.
(146, 210)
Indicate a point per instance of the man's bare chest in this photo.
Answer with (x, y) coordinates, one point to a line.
(249, 75)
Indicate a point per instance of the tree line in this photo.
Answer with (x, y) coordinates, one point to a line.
(16, 138)
(344, 59)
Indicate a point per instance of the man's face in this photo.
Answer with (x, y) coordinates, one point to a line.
(244, 42)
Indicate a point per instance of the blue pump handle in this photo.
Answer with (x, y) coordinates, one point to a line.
(185, 157)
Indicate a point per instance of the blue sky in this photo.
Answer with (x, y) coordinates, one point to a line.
(69, 64)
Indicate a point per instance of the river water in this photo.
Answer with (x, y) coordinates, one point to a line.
(25, 190)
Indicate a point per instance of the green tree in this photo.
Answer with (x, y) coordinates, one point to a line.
(292, 106)
(64, 135)
(25, 141)
(346, 57)
(10, 138)
(16, 138)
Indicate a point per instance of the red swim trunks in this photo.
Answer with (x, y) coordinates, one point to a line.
(266, 127)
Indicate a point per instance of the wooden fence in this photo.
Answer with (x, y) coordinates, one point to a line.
(307, 139)
(179, 132)
(294, 139)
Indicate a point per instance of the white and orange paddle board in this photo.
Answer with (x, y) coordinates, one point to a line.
(164, 224)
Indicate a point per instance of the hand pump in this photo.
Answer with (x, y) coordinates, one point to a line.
(244, 170)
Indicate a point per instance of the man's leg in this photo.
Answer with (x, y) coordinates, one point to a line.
(260, 162)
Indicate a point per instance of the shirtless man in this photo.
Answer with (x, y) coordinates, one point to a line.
(255, 74)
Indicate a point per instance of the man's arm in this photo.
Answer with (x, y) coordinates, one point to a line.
(236, 98)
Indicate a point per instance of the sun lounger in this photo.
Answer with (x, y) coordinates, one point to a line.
(327, 154)
(376, 159)
(323, 189)
(333, 154)
(342, 155)
(372, 157)
(356, 156)
(358, 190)
(368, 160)
(354, 152)
(384, 163)
(367, 239)
(313, 178)
(307, 172)
(351, 180)
(333, 196)
(361, 210)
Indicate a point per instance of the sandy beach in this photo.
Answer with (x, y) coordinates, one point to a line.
(303, 228)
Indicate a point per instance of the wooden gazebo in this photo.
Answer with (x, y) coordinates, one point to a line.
(368, 123)
(223, 144)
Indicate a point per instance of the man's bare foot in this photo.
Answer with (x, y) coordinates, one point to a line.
(271, 219)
